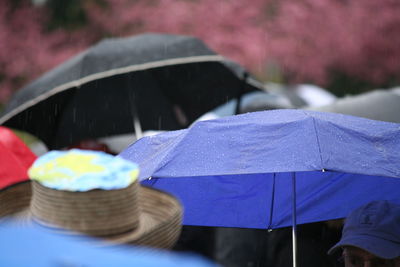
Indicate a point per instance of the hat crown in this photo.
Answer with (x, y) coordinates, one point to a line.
(81, 170)
(374, 227)
(96, 212)
(378, 218)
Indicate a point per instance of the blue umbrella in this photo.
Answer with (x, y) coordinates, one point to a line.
(36, 246)
(240, 171)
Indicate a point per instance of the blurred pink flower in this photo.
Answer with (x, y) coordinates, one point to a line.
(26, 49)
(307, 39)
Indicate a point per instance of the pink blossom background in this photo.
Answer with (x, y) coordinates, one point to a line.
(307, 40)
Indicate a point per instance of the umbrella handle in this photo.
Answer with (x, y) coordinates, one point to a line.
(241, 92)
(135, 115)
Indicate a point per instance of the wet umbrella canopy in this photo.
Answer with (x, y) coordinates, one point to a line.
(238, 171)
(32, 245)
(164, 81)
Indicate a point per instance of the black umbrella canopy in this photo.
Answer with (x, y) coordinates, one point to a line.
(166, 81)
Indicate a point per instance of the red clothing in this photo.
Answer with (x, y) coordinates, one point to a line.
(15, 158)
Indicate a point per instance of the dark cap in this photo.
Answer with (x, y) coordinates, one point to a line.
(374, 227)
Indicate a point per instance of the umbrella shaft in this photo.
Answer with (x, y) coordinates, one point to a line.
(294, 222)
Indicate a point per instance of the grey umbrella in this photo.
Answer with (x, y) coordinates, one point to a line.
(383, 105)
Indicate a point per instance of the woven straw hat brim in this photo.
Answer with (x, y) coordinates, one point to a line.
(160, 219)
(15, 198)
(159, 223)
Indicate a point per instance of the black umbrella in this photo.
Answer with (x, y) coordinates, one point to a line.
(165, 81)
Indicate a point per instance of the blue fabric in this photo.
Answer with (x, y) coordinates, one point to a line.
(212, 200)
(237, 171)
(35, 246)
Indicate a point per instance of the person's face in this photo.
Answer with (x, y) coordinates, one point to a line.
(356, 257)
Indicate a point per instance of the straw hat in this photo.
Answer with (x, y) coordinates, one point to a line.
(111, 204)
(15, 198)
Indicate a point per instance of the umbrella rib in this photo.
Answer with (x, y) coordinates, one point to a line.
(316, 137)
(271, 211)
(318, 143)
(165, 160)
